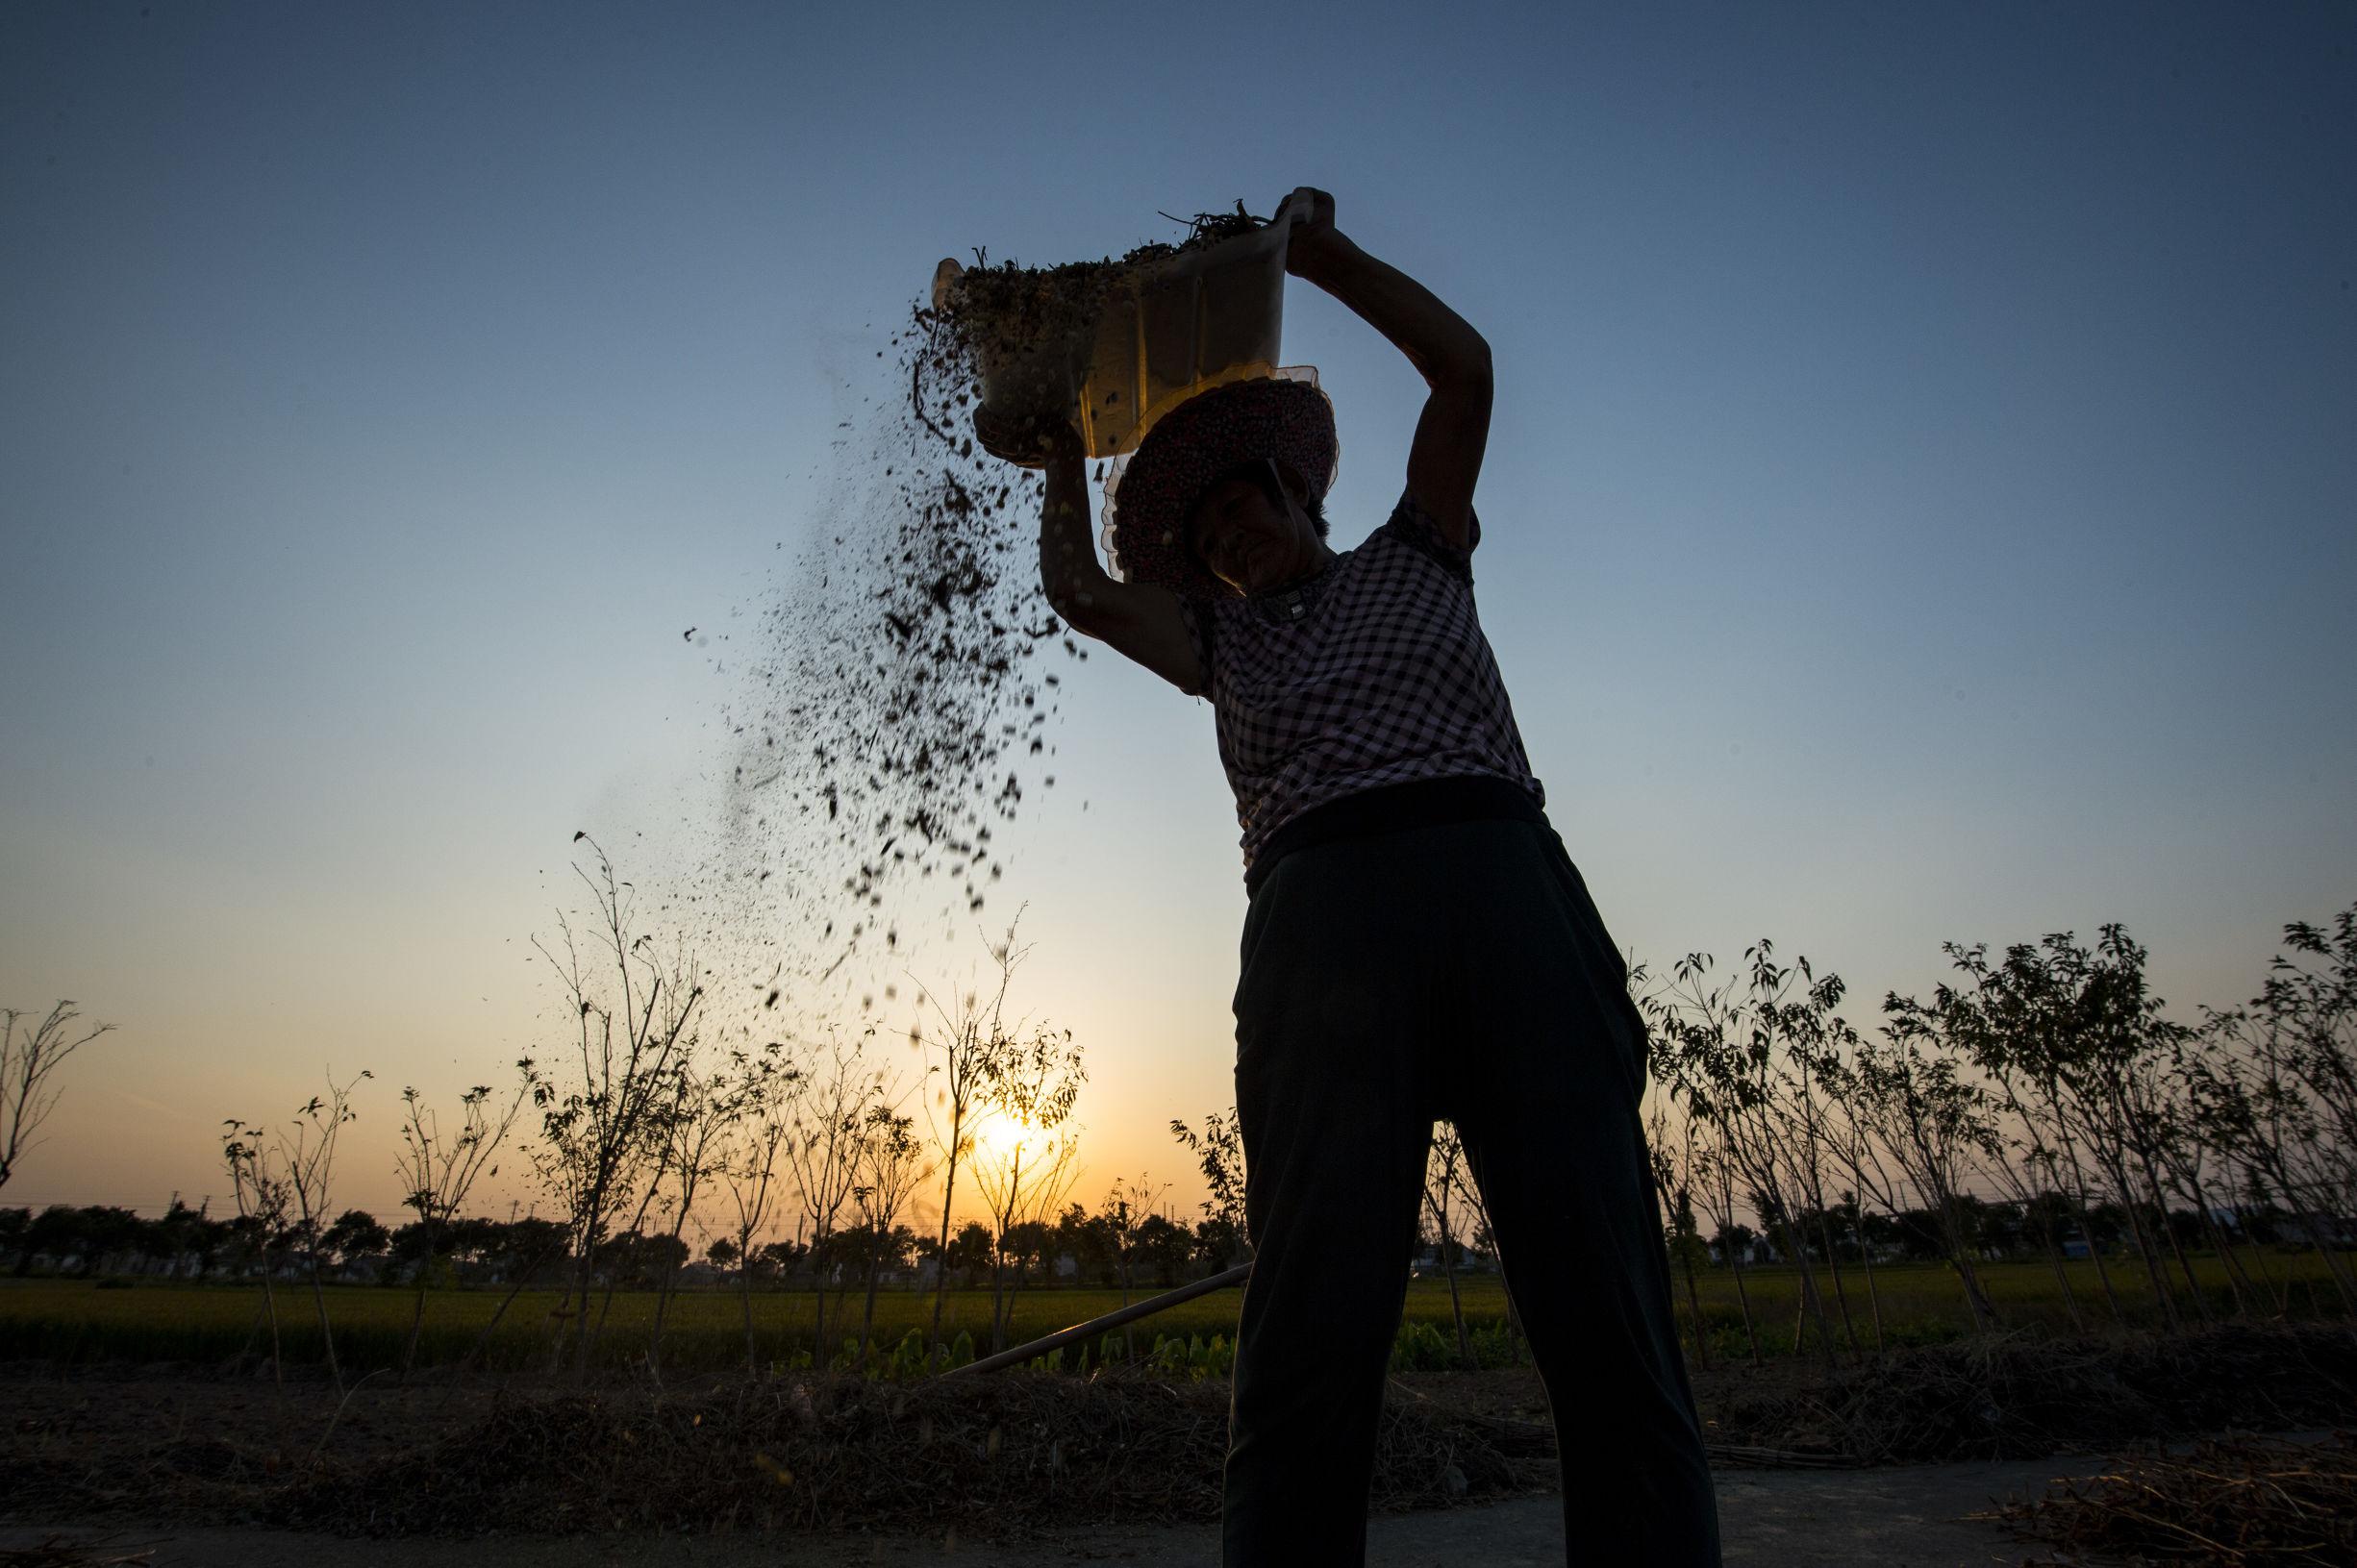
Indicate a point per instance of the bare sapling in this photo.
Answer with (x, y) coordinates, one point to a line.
(603, 1141)
(1930, 1121)
(1022, 1188)
(1722, 1058)
(1858, 1157)
(306, 1155)
(821, 1152)
(1485, 1239)
(1669, 1150)
(2022, 1165)
(1126, 1207)
(765, 1086)
(439, 1169)
(31, 1052)
(2239, 1096)
(1717, 1173)
(259, 1188)
(1444, 1178)
(703, 1108)
(2282, 1093)
(1813, 1043)
(969, 1049)
(892, 1165)
(1032, 1089)
(2195, 1158)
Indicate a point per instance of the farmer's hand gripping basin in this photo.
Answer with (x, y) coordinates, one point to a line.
(1117, 346)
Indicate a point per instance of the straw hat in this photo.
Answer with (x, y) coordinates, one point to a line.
(1285, 415)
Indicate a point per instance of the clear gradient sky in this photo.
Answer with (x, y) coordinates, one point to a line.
(1922, 502)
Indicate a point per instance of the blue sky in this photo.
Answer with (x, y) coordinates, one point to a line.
(1919, 504)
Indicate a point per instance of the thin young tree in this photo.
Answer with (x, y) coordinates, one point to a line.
(2080, 1026)
(1722, 1057)
(1444, 1178)
(1930, 1120)
(2023, 1166)
(1685, 1034)
(307, 1145)
(31, 1052)
(1022, 1187)
(1219, 1155)
(2310, 999)
(892, 1164)
(258, 1186)
(439, 1170)
(2281, 1089)
(602, 1138)
(1670, 1146)
(1126, 1205)
(1814, 1044)
(970, 1048)
(1032, 1089)
(2194, 1158)
(767, 1084)
(821, 1153)
(704, 1106)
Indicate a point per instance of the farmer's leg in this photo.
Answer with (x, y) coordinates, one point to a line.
(1335, 1129)
(1545, 1094)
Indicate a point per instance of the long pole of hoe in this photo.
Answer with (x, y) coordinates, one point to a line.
(1098, 1325)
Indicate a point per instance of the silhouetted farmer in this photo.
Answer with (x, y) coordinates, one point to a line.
(1418, 945)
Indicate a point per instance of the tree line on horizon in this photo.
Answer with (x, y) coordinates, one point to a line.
(2042, 1104)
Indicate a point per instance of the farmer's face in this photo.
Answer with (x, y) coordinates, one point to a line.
(1248, 540)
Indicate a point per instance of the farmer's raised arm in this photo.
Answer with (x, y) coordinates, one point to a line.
(1454, 360)
(1138, 620)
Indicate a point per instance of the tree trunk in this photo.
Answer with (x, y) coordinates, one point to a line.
(818, 1327)
(1873, 1297)
(2280, 1295)
(2061, 1275)
(1984, 1315)
(417, 1314)
(1456, 1305)
(1812, 1299)
(327, 1334)
(868, 1317)
(417, 1323)
(2151, 1256)
(1693, 1311)
(1742, 1299)
(745, 1293)
(483, 1338)
(949, 1193)
(270, 1305)
(2079, 1210)
(1833, 1264)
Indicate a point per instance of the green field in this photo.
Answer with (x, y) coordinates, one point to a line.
(79, 1322)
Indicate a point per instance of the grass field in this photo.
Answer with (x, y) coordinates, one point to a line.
(78, 1322)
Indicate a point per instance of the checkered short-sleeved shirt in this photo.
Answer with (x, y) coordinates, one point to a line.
(1374, 672)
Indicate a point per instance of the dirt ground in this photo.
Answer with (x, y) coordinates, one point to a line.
(171, 1460)
(1920, 1517)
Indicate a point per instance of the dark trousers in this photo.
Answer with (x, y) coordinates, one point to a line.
(1458, 972)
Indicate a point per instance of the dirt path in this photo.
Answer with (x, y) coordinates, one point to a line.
(1920, 1517)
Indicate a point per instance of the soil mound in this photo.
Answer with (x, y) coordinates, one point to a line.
(1002, 1455)
(2010, 1397)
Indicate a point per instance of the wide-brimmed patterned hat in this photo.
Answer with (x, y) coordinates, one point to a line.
(1285, 415)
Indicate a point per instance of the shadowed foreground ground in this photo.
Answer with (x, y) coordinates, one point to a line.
(205, 1467)
(1912, 1516)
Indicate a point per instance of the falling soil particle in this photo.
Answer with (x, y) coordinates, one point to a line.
(899, 705)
